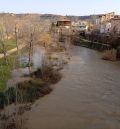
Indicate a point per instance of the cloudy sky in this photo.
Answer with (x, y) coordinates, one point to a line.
(65, 7)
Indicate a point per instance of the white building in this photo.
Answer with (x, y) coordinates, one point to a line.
(80, 26)
(105, 28)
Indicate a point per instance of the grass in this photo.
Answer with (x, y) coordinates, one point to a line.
(6, 68)
(4, 74)
(9, 44)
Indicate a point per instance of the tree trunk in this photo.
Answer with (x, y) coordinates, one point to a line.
(4, 51)
(16, 37)
(30, 52)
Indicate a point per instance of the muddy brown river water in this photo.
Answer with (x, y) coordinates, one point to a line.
(87, 97)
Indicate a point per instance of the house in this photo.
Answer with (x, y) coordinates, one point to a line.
(105, 17)
(115, 25)
(105, 27)
(64, 22)
(80, 26)
(111, 26)
(105, 22)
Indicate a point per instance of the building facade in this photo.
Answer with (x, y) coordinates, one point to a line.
(115, 25)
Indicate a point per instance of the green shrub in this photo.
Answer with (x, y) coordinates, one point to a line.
(3, 100)
(11, 95)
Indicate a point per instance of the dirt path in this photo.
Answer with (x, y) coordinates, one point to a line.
(88, 96)
(12, 51)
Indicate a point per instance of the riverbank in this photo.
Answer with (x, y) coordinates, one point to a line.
(87, 97)
(91, 44)
(5, 69)
(107, 52)
(26, 85)
(7, 66)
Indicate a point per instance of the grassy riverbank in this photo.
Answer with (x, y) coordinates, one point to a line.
(5, 69)
(9, 44)
(90, 44)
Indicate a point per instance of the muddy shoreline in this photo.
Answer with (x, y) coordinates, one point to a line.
(27, 85)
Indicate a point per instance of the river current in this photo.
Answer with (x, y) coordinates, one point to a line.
(87, 97)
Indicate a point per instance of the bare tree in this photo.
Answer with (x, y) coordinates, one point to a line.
(30, 50)
(46, 39)
(16, 36)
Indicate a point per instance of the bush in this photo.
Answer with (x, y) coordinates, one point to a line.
(3, 100)
(47, 74)
(110, 55)
(33, 89)
(51, 76)
(11, 95)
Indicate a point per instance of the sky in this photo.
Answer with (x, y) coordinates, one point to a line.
(64, 7)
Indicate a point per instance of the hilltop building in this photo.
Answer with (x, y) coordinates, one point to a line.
(64, 22)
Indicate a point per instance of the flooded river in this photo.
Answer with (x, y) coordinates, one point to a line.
(88, 96)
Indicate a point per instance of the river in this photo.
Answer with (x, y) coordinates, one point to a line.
(87, 97)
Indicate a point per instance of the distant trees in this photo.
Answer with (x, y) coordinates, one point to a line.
(28, 30)
(46, 39)
(31, 34)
